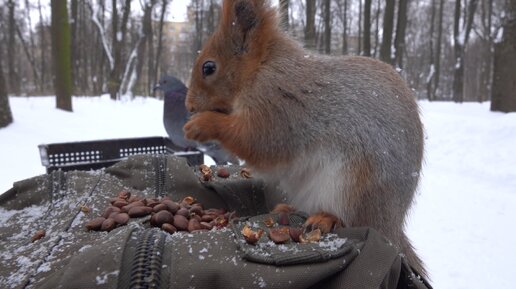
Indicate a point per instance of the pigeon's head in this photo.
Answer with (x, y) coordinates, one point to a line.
(170, 85)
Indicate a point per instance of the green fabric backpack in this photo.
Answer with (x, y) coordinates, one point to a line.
(138, 256)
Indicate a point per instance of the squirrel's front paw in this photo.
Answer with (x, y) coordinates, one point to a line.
(322, 221)
(283, 208)
(203, 126)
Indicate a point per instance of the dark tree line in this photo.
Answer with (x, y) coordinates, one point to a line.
(115, 45)
(447, 50)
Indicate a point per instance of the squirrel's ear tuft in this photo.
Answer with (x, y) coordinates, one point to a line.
(248, 24)
(246, 15)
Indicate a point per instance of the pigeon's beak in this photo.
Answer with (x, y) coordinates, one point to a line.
(157, 87)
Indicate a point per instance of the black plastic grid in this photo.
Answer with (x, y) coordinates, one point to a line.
(102, 153)
(74, 157)
(124, 152)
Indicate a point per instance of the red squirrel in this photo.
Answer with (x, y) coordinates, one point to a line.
(340, 135)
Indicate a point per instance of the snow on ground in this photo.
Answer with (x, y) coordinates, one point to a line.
(465, 212)
(463, 222)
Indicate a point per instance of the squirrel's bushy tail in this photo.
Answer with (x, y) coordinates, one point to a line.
(412, 258)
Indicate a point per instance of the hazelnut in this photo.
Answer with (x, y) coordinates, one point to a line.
(180, 222)
(193, 225)
(161, 217)
(126, 209)
(124, 195)
(139, 211)
(172, 207)
(208, 218)
(295, 233)
(183, 212)
(95, 223)
(108, 225)
(311, 237)
(279, 235)
(112, 215)
(269, 222)
(250, 236)
(283, 219)
(196, 209)
(169, 228)
(206, 173)
(121, 218)
(84, 209)
(109, 210)
(38, 235)
(223, 173)
(159, 207)
(245, 173)
(150, 202)
(188, 200)
(221, 221)
(206, 225)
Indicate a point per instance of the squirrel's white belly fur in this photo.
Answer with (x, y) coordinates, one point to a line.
(314, 182)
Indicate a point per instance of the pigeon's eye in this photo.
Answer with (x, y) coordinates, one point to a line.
(208, 68)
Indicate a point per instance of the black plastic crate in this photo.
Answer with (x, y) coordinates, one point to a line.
(97, 154)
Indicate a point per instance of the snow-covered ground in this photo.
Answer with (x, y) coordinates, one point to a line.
(462, 224)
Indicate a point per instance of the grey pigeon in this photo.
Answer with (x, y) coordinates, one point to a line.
(175, 116)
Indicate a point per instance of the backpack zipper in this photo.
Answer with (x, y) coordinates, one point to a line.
(160, 163)
(147, 260)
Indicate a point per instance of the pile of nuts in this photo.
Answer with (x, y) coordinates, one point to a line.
(186, 215)
(282, 233)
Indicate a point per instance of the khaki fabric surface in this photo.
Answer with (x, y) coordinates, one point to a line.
(71, 257)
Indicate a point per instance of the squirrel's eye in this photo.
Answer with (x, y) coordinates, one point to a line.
(208, 68)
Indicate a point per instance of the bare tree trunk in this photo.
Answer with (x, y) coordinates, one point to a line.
(145, 47)
(199, 25)
(75, 57)
(431, 73)
(43, 54)
(377, 29)
(87, 53)
(504, 76)
(438, 51)
(6, 116)
(367, 28)
(28, 54)
(488, 62)
(310, 25)
(12, 74)
(345, 29)
(359, 42)
(327, 27)
(457, 49)
(118, 43)
(461, 40)
(399, 40)
(388, 23)
(61, 55)
(164, 4)
(284, 6)
(32, 47)
(100, 48)
(114, 81)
